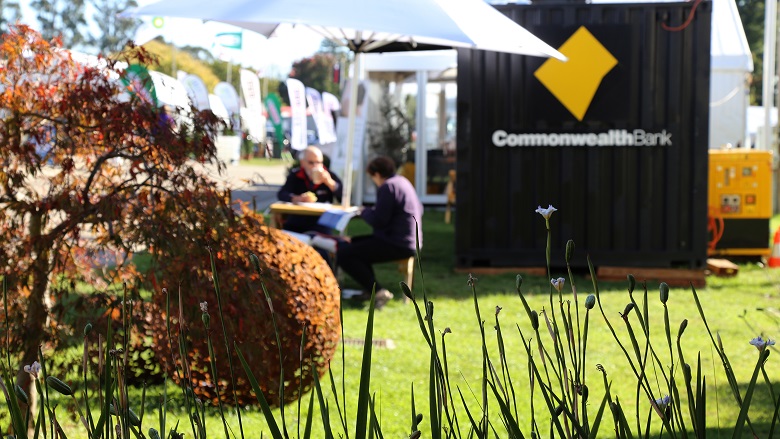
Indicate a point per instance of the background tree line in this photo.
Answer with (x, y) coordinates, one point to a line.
(80, 23)
(94, 26)
(751, 13)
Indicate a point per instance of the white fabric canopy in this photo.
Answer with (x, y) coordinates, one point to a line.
(368, 25)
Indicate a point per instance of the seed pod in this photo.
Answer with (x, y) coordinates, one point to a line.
(87, 329)
(58, 385)
(569, 249)
(590, 301)
(628, 309)
(418, 419)
(584, 393)
(687, 372)
(683, 325)
(21, 395)
(664, 292)
(518, 281)
(255, 262)
(206, 319)
(133, 418)
(631, 283)
(154, 434)
(407, 291)
(534, 320)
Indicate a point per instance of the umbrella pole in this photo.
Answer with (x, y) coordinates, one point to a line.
(346, 196)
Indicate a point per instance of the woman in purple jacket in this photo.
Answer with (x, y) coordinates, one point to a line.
(393, 218)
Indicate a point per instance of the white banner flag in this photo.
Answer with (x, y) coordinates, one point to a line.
(230, 98)
(330, 104)
(196, 90)
(317, 112)
(252, 113)
(250, 85)
(297, 94)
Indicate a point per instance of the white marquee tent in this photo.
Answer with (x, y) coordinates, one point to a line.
(730, 68)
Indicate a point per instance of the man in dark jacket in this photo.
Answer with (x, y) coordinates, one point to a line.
(396, 220)
(310, 183)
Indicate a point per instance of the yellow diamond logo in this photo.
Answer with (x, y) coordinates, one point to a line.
(574, 83)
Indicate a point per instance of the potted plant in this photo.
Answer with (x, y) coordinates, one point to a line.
(228, 144)
(392, 135)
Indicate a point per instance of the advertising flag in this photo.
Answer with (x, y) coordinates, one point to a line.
(227, 93)
(330, 102)
(297, 94)
(321, 117)
(250, 85)
(330, 105)
(196, 90)
(138, 81)
(252, 113)
(274, 106)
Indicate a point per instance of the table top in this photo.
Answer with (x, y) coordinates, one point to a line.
(312, 209)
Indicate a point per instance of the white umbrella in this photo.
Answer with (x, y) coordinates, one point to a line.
(368, 25)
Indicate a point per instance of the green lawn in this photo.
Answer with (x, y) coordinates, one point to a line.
(738, 308)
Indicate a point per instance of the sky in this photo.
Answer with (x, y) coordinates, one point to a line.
(273, 57)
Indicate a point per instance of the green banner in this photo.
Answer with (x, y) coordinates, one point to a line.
(274, 105)
(136, 78)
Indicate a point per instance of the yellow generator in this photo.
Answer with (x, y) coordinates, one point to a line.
(740, 202)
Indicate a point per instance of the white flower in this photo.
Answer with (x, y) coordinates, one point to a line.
(33, 369)
(761, 344)
(662, 403)
(546, 212)
(204, 306)
(558, 283)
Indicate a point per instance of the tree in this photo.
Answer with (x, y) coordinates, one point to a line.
(9, 13)
(316, 72)
(87, 170)
(63, 18)
(172, 58)
(751, 12)
(116, 31)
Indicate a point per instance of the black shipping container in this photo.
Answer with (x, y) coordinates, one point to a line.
(633, 191)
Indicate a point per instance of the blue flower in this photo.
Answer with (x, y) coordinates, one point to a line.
(761, 344)
(33, 369)
(558, 283)
(662, 403)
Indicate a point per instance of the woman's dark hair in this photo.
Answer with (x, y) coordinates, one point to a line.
(384, 166)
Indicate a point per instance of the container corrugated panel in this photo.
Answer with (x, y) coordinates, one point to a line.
(623, 205)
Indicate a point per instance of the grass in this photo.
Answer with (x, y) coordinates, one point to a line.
(738, 308)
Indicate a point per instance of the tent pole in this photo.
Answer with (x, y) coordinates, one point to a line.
(353, 98)
(767, 88)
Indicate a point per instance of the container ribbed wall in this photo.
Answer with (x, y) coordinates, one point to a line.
(623, 205)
